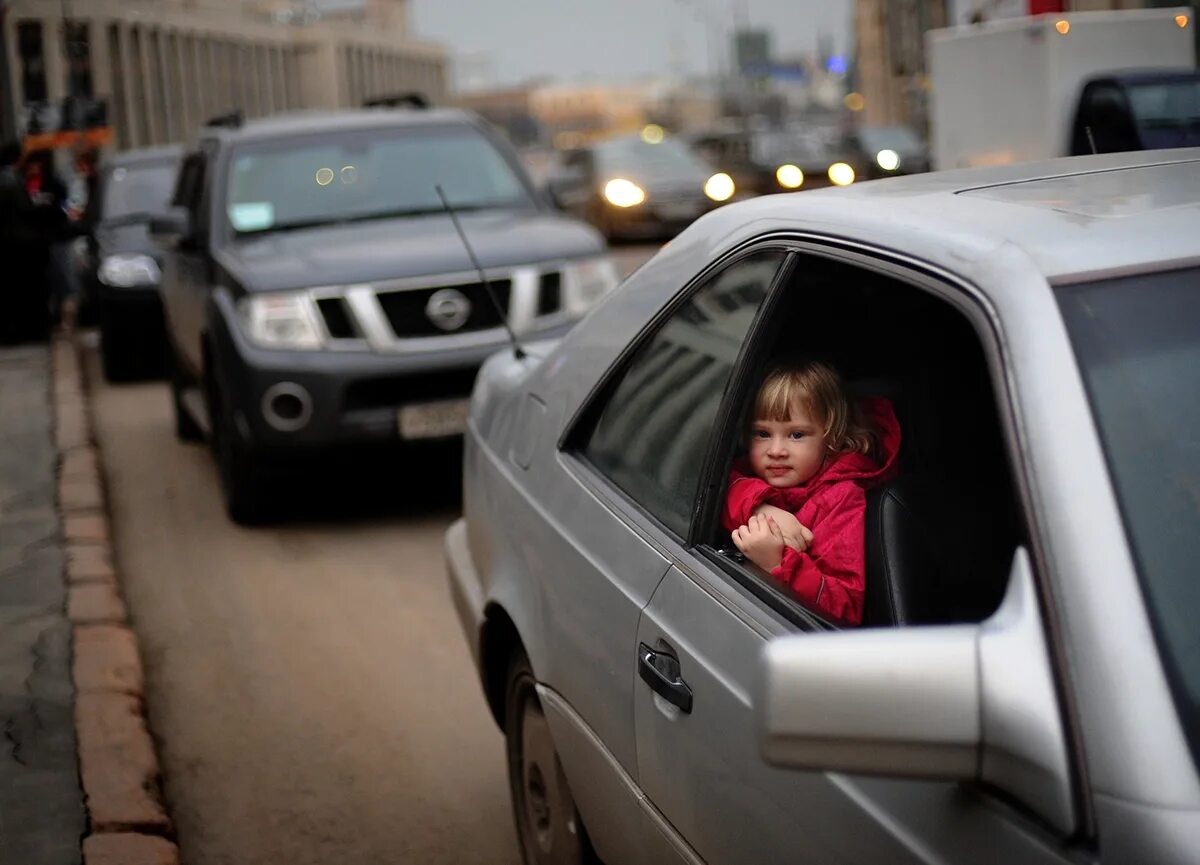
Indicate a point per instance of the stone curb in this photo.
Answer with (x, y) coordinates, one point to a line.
(118, 766)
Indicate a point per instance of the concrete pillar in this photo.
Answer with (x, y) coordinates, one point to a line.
(101, 60)
(152, 123)
(188, 92)
(54, 56)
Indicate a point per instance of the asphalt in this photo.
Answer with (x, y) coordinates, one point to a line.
(42, 817)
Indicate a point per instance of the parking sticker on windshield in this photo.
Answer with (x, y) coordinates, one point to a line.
(252, 215)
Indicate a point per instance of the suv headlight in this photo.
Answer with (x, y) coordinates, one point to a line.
(585, 282)
(128, 271)
(281, 320)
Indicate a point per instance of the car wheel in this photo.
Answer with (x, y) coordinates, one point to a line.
(548, 826)
(246, 500)
(186, 428)
(117, 361)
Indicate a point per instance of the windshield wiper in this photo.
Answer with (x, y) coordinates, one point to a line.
(363, 217)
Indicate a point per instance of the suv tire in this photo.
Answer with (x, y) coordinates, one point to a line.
(242, 487)
(186, 428)
(549, 829)
(117, 360)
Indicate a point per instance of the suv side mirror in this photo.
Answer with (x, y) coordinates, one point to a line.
(954, 702)
(173, 225)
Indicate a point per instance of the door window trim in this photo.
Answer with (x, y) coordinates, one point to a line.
(573, 440)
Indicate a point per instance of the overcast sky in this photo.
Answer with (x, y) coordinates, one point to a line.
(510, 41)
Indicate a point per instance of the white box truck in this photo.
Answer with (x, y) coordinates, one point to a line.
(1032, 88)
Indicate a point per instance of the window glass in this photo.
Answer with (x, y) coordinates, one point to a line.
(1138, 343)
(138, 188)
(638, 160)
(651, 435)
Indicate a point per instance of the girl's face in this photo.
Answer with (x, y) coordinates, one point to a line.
(787, 453)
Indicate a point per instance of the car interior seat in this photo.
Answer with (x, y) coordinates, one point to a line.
(937, 546)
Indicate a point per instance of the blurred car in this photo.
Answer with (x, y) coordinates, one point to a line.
(1025, 687)
(638, 186)
(319, 295)
(887, 151)
(120, 268)
(763, 161)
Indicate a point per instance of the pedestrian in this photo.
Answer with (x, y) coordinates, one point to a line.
(796, 504)
(49, 195)
(24, 313)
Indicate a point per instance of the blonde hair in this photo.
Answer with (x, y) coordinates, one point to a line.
(816, 386)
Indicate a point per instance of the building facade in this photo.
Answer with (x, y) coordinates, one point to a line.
(162, 67)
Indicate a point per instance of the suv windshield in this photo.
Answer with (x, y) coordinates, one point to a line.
(1138, 343)
(367, 174)
(137, 189)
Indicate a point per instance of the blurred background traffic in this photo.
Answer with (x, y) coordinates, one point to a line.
(636, 116)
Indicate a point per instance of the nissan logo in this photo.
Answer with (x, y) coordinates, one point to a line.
(448, 309)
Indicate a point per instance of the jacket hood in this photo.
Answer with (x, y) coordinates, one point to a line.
(867, 471)
(405, 247)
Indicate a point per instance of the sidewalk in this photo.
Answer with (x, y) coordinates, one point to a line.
(42, 817)
(79, 780)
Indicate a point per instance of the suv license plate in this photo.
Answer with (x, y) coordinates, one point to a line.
(433, 419)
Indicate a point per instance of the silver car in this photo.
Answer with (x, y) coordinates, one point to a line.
(1025, 687)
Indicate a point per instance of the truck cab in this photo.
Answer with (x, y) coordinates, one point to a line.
(1146, 110)
(1044, 86)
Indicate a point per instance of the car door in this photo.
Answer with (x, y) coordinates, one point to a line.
(186, 276)
(636, 451)
(697, 656)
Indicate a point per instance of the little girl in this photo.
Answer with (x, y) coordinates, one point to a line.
(796, 504)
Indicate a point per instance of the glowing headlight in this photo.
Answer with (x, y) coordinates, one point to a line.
(789, 176)
(888, 160)
(719, 187)
(585, 282)
(127, 271)
(623, 193)
(841, 174)
(281, 320)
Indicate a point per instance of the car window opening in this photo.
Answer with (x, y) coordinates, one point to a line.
(940, 531)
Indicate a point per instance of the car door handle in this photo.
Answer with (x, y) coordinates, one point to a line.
(662, 673)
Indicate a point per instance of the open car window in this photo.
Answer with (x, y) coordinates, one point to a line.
(939, 535)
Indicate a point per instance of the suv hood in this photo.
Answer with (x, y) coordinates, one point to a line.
(386, 249)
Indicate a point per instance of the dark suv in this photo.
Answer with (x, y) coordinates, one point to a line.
(318, 295)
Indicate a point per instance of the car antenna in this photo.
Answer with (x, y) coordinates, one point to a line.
(518, 352)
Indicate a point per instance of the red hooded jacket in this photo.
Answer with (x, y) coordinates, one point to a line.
(831, 573)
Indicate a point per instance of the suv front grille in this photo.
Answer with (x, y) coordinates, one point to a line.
(406, 309)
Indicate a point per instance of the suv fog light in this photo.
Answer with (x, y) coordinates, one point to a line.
(287, 407)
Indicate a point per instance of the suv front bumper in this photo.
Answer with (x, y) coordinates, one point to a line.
(353, 397)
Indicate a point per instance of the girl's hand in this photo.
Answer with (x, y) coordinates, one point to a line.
(795, 535)
(761, 541)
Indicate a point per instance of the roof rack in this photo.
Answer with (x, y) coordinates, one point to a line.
(230, 120)
(398, 100)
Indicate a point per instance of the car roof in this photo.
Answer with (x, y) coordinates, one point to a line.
(1076, 218)
(125, 158)
(305, 122)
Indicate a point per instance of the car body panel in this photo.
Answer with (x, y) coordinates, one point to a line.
(998, 262)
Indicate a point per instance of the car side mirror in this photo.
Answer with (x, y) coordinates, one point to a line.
(173, 225)
(562, 184)
(954, 702)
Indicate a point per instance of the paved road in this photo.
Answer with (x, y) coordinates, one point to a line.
(308, 684)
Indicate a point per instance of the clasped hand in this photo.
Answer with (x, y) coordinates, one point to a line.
(767, 533)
